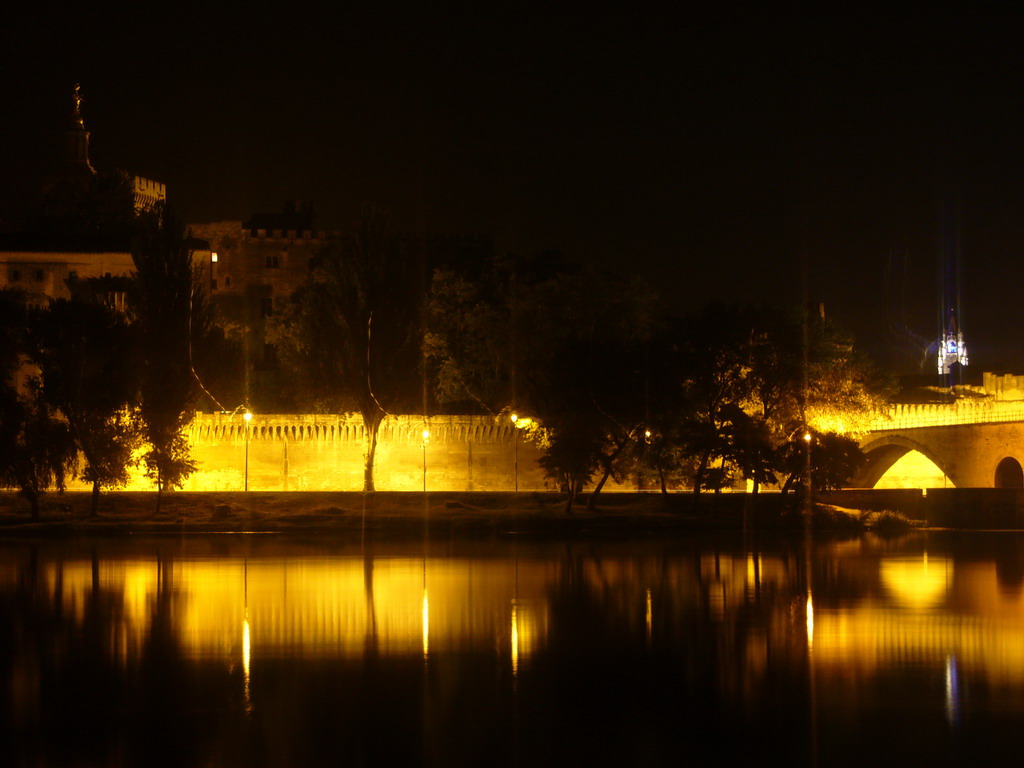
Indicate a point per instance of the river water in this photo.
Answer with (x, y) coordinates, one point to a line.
(265, 650)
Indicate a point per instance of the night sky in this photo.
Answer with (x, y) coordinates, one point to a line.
(722, 152)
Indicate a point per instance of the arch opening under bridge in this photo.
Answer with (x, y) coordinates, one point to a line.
(895, 461)
(1009, 474)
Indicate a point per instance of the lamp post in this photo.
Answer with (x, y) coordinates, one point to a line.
(248, 417)
(426, 439)
(808, 503)
(518, 422)
(515, 449)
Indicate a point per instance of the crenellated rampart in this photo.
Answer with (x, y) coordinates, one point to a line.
(324, 452)
(960, 412)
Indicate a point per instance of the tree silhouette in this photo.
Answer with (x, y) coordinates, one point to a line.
(167, 309)
(353, 332)
(36, 449)
(85, 354)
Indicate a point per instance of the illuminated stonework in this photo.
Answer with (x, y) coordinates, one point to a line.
(952, 349)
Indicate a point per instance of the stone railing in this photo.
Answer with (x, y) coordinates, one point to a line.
(916, 416)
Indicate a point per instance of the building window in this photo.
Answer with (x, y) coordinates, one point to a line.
(15, 275)
(267, 306)
(273, 261)
(227, 282)
(40, 274)
(72, 274)
(213, 283)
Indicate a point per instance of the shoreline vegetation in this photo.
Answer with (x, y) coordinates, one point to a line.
(408, 513)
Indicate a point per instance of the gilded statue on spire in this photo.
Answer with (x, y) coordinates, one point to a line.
(76, 99)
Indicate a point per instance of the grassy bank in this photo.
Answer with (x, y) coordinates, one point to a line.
(345, 513)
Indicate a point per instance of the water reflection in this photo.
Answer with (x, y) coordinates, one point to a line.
(266, 653)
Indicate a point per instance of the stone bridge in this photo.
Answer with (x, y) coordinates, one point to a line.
(975, 443)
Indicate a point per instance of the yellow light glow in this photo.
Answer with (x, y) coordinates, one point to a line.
(810, 621)
(247, 416)
(647, 618)
(426, 435)
(807, 437)
(913, 470)
(426, 624)
(246, 655)
(213, 257)
(514, 418)
(917, 583)
(515, 638)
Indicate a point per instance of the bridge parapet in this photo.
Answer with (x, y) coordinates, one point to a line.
(918, 415)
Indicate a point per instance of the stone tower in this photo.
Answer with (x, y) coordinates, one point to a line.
(76, 142)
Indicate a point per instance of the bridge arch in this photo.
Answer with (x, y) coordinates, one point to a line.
(1009, 473)
(884, 451)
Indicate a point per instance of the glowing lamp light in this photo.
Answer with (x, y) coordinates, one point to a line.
(248, 417)
(213, 257)
(810, 620)
(426, 435)
(807, 437)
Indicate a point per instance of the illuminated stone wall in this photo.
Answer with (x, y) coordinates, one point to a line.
(916, 415)
(325, 453)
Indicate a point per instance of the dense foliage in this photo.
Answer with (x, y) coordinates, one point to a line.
(703, 400)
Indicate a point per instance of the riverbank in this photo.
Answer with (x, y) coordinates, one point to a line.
(404, 513)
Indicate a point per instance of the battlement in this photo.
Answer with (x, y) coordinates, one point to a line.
(211, 428)
(919, 415)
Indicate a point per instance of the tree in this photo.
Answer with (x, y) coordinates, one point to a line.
(36, 450)
(84, 352)
(543, 336)
(834, 459)
(747, 389)
(169, 315)
(353, 332)
(715, 385)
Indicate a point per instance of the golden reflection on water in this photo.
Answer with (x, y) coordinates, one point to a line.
(426, 624)
(810, 620)
(917, 582)
(895, 607)
(515, 638)
(312, 607)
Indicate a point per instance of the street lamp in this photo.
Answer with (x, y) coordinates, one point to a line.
(517, 424)
(248, 417)
(515, 449)
(426, 439)
(808, 503)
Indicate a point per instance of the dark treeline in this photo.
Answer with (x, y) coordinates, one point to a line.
(575, 358)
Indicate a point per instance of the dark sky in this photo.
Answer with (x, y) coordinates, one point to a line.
(718, 151)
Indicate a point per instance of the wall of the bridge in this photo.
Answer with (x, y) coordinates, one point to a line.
(968, 454)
